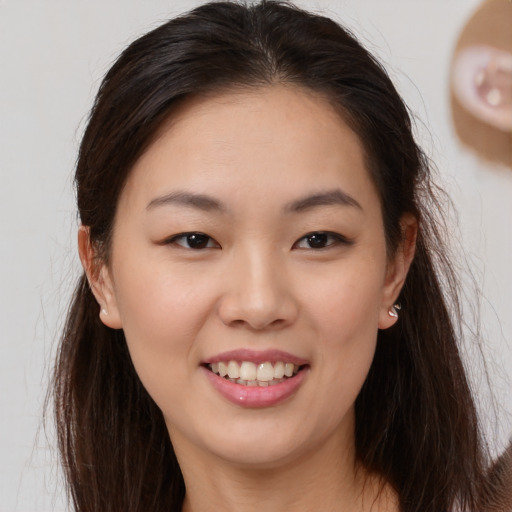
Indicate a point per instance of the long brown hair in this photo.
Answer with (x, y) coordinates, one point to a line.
(416, 423)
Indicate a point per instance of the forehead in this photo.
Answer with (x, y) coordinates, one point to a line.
(282, 138)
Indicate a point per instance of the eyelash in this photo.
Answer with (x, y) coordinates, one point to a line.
(187, 237)
(336, 239)
(206, 242)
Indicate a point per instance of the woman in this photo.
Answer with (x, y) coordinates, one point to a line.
(267, 317)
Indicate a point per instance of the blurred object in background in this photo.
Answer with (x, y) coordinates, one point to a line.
(481, 82)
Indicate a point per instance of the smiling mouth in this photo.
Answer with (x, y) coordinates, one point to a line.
(248, 373)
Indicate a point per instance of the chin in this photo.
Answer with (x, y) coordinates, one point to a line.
(266, 441)
(260, 454)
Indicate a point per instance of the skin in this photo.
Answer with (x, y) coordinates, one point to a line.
(258, 284)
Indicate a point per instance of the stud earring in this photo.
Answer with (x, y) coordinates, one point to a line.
(104, 311)
(393, 310)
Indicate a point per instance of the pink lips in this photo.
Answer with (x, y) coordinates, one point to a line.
(255, 396)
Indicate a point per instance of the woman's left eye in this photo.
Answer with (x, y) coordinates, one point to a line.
(193, 240)
(320, 240)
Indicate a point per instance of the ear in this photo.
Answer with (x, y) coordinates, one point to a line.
(397, 270)
(100, 281)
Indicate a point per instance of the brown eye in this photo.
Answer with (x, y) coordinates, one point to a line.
(320, 240)
(194, 241)
(317, 240)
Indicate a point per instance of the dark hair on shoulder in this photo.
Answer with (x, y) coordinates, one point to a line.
(416, 423)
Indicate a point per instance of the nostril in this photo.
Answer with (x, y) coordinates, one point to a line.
(256, 325)
(256, 301)
(238, 323)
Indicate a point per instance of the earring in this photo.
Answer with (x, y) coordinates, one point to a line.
(104, 311)
(393, 310)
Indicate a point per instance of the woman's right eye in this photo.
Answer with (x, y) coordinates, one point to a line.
(193, 240)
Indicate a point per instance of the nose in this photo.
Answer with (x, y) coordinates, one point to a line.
(258, 293)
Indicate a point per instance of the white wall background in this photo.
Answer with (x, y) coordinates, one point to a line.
(53, 54)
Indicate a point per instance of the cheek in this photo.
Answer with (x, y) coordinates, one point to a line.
(348, 304)
(346, 324)
(161, 314)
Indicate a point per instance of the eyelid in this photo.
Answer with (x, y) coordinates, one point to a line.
(335, 240)
(338, 239)
(173, 240)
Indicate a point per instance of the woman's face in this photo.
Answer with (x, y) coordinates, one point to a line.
(250, 232)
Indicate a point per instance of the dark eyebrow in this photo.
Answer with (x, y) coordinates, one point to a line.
(329, 198)
(188, 199)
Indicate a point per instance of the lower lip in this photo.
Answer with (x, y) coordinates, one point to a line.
(255, 396)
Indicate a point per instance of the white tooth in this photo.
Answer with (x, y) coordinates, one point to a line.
(262, 384)
(265, 372)
(279, 370)
(215, 367)
(288, 369)
(232, 380)
(273, 382)
(252, 382)
(241, 381)
(233, 370)
(248, 371)
(223, 369)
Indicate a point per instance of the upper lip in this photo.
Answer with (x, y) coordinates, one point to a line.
(257, 357)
